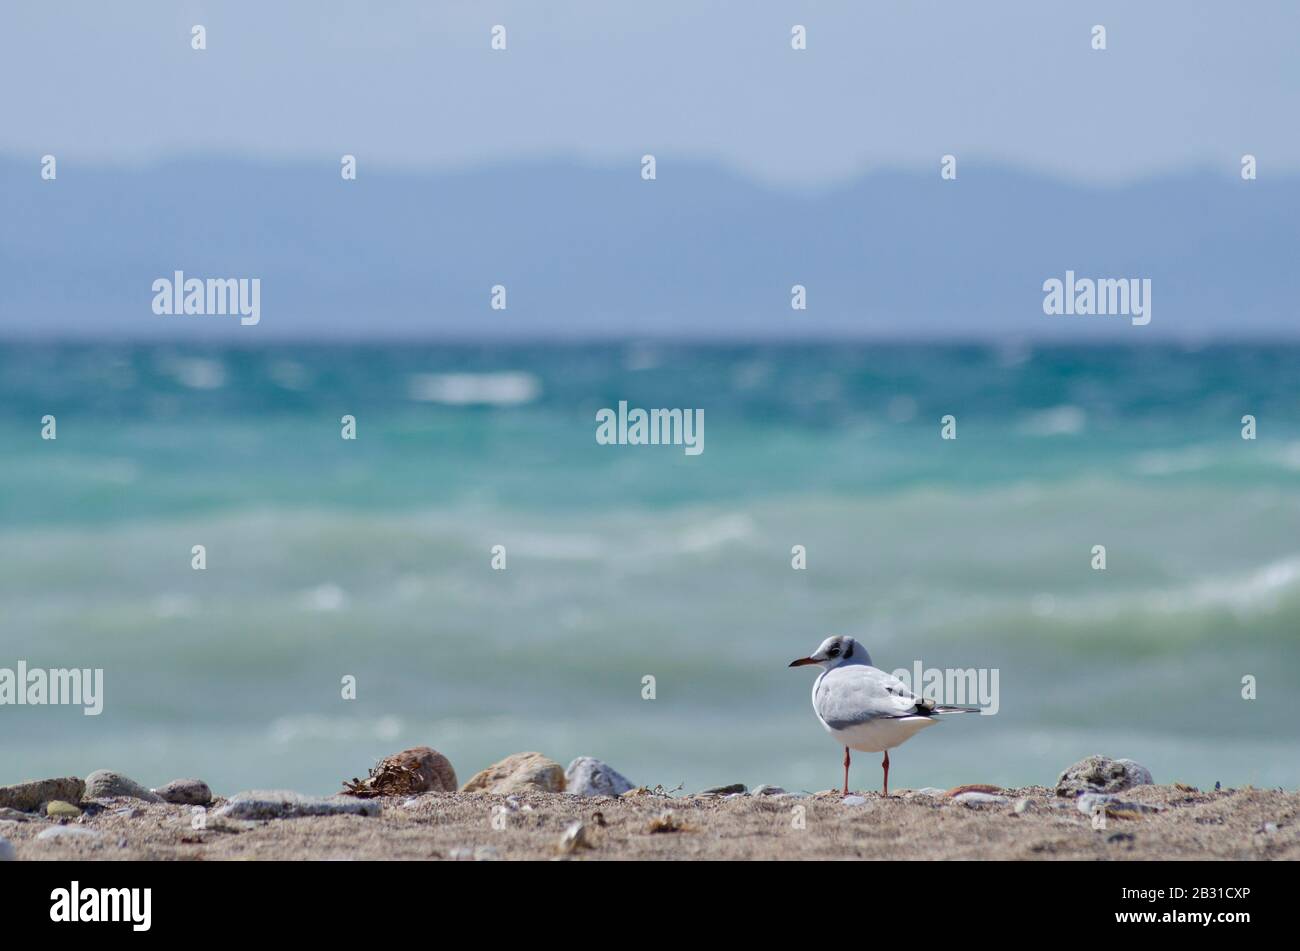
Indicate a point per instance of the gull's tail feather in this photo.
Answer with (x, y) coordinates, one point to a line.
(929, 708)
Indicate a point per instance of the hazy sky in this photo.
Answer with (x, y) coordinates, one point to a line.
(888, 82)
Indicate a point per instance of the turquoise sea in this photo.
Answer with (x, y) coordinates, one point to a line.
(372, 557)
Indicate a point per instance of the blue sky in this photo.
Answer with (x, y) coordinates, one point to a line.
(776, 166)
(892, 83)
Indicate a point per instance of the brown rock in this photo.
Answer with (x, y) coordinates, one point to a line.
(28, 797)
(522, 772)
(408, 773)
(185, 792)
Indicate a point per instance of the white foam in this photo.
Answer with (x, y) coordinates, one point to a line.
(1058, 421)
(507, 388)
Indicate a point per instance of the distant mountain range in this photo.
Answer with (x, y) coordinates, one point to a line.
(598, 252)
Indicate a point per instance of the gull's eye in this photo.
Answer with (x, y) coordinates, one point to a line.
(834, 652)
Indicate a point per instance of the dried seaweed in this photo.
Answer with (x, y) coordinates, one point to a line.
(387, 778)
(666, 822)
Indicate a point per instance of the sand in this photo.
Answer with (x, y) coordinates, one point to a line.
(1228, 824)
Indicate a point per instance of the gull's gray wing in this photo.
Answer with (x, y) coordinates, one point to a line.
(856, 694)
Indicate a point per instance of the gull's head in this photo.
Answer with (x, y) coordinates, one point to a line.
(835, 651)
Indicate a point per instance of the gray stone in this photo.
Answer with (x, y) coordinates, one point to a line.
(283, 804)
(854, 800)
(13, 815)
(1102, 774)
(70, 834)
(933, 791)
(185, 792)
(1023, 806)
(7, 852)
(575, 837)
(106, 784)
(1139, 775)
(481, 853)
(30, 796)
(1114, 807)
(724, 790)
(766, 790)
(588, 776)
(980, 799)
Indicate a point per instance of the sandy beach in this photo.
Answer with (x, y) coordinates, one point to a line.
(1034, 824)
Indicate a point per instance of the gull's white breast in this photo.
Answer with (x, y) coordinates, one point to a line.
(879, 735)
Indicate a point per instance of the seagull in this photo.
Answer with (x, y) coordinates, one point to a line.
(865, 708)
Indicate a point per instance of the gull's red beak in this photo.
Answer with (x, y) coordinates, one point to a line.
(802, 662)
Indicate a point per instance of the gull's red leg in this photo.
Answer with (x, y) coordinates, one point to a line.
(886, 765)
(846, 770)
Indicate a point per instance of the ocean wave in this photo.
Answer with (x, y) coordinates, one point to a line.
(324, 597)
(294, 729)
(1261, 590)
(715, 533)
(508, 388)
(195, 373)
(1271, 589)
(1174, 461)
(1057, 421)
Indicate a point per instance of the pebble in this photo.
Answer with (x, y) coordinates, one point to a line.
(483, 853)
(980, 799)
(724, 790)
(106, 784)
(520, 772)
(588, 776)
(1089, 803)
(7, 852)
(574, 838)
(283, 804)
(766, 790)
(71, 833)
(974, 787)
(1102, 774)
(13, 815)
(28, 797)
(1023, 806)
(665, 821)
(185, 792)
(931, 791)
(854, 800)
(57, 809)
(1112, 806)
